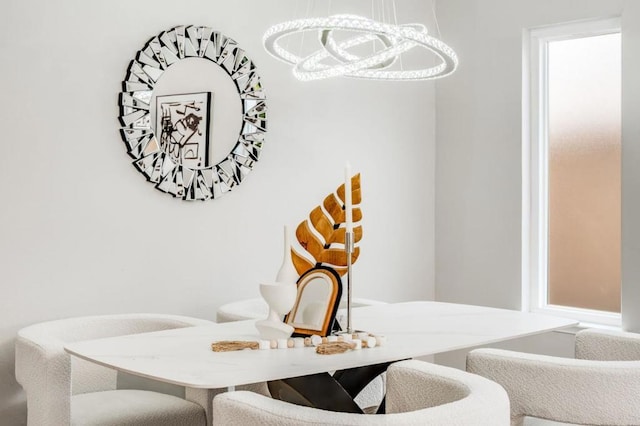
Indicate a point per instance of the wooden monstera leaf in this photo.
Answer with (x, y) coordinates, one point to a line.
(322, 235)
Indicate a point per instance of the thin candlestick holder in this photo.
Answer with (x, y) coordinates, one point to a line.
(348, 242)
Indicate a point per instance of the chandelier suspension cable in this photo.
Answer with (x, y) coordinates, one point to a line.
(435, 17)
(295, 16)
(308, 13)
(373, 16)
(395, 22)
(384, 12)
(393, 10)
(373, 10)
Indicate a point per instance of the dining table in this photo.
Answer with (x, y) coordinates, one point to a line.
(413, 329)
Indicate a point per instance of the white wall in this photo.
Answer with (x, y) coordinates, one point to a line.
(82, 232)
(479, 141)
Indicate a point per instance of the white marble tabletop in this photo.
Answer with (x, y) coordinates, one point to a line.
(184, 356)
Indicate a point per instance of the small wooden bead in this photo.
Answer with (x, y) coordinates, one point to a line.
(274, 344)
(325, 340)
(264, 344)
(307, 341)
(316, 340)
(290, 343)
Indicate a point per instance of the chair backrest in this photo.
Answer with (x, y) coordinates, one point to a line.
(46, 371)
(607, 345)
(418, 393)
(567, 390)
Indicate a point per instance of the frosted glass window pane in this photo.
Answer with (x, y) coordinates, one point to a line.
(584, 77)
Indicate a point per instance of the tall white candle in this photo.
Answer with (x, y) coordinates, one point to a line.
(348, 208)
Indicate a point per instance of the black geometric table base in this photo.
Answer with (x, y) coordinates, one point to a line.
(327, 392)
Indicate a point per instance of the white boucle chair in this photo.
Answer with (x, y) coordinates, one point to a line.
(600, 387)
(63, 390)
(418, 393)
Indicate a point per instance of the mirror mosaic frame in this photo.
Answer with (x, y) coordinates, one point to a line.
(157, 55)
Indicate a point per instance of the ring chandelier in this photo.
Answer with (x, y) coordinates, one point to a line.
(396, 39)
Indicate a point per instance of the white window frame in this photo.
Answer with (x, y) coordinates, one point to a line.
(535, 138)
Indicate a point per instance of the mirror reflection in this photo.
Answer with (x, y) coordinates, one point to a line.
(313, 301)
(196, 113)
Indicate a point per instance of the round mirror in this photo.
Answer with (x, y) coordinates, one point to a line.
(193, 113)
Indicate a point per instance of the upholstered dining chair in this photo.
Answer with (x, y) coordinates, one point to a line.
(418, 393)
(601, 386)
(64, 390)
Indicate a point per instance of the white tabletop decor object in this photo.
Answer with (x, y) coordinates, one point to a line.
(280, 296)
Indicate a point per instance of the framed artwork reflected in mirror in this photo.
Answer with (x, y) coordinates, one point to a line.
(319, 293)
(182, 128)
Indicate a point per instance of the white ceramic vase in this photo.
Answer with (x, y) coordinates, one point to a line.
(287, 272)
(280, 296)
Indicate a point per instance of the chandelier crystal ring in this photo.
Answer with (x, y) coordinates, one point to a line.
(311, 67)
(397, 39)
(340, 52)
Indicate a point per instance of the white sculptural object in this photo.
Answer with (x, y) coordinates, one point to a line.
(280, 296)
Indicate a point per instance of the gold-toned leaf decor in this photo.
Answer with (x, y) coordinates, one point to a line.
(325, 243)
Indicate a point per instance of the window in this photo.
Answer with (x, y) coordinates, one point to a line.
(572, 171)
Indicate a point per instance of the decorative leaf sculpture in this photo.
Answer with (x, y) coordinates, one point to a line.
(322, 235)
